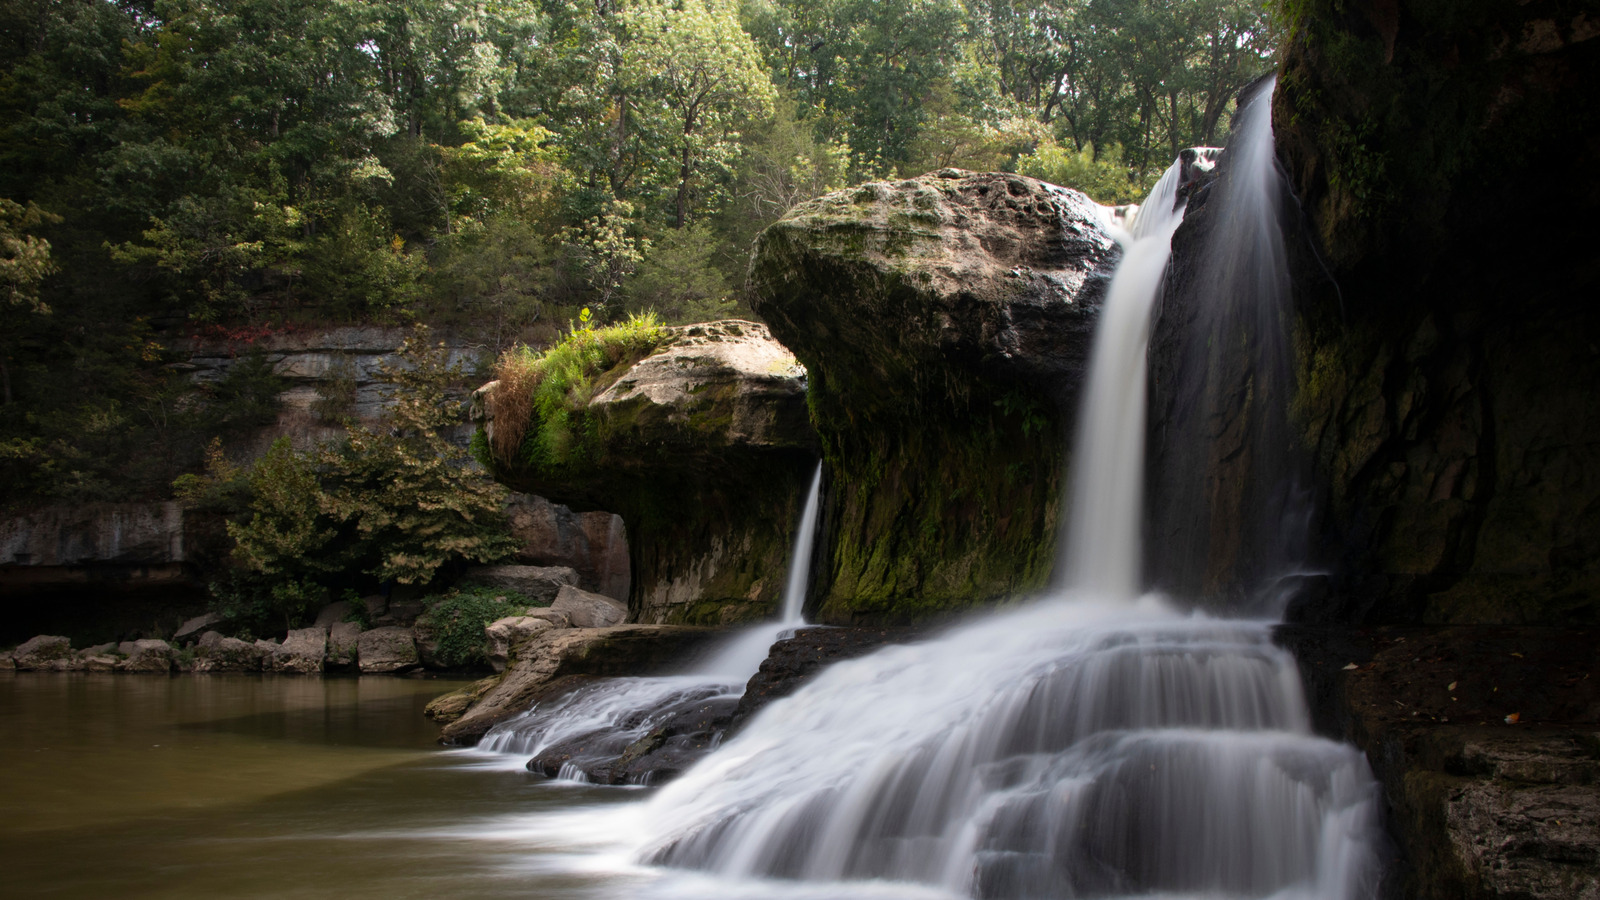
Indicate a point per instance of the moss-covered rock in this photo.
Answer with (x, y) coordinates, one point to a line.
(945, 322)
(703, 446)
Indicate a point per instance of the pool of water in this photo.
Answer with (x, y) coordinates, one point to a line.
(244, 786)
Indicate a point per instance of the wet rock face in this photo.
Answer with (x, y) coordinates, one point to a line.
(704, 448)
(945, 322)
(1487, 743)
(684, 735)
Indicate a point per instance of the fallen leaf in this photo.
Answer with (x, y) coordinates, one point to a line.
(1451, 686)
(1351, 666)
(1514, 718)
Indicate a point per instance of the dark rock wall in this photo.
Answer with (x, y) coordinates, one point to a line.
(1447, 349)
(1446, 341)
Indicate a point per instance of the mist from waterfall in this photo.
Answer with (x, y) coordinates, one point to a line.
(1093, 743)
(608, 715)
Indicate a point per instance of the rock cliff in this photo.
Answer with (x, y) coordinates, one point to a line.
(944, 322)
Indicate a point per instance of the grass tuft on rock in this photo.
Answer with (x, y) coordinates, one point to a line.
(537, 391)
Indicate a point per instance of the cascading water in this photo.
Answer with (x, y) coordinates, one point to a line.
(1096, 743)
(605, 717)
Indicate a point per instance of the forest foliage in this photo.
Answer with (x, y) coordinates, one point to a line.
(494, 166)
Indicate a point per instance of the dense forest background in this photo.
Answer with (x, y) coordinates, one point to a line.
(180, 168)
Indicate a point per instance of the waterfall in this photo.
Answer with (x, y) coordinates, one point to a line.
(1230, 514)
(740, 657)
(1094, 743)
(603, 718)
(1101, 542)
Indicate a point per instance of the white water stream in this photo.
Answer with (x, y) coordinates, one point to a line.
(1093, 743)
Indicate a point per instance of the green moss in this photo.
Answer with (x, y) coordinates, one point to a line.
(942, 515)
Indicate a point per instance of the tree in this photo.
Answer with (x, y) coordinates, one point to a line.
(24, 265)
(415, 501)
(695, 78)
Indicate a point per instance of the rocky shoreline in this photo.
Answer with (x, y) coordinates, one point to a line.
(379, 638)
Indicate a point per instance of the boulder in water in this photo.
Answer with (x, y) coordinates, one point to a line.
(42, 652)
(585, 609)
(539, 584)
(145, 656)
(301, 653)
(385, 650)
(216, 653)
(683, 732)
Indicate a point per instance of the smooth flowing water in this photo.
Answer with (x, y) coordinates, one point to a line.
(606, 716)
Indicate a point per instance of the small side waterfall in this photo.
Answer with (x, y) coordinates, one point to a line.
(600, 720)
(1096, 743)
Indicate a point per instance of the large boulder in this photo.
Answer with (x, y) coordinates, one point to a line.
(701, 443)
(551, 655)
(386, 650)
(539, 584)
(588, 610)
(301, 653)
(945, 322)
(42, 652)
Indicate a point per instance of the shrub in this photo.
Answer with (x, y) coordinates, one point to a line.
(457, 620)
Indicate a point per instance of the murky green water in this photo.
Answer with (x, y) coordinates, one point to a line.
(243, 786)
